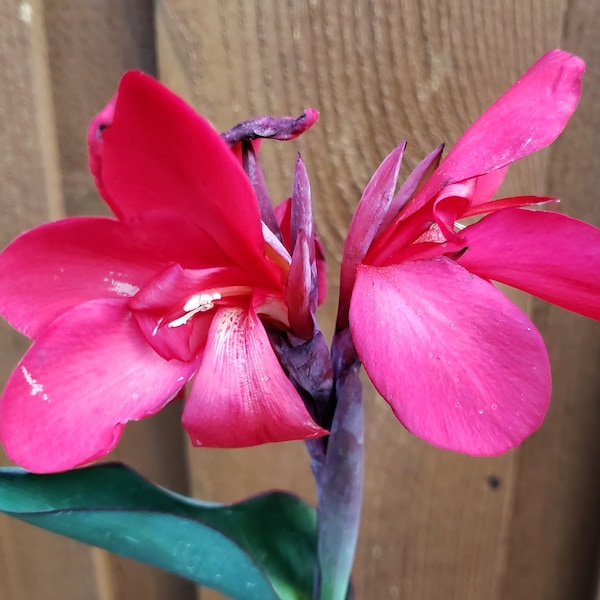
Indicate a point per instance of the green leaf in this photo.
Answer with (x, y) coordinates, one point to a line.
(263, 548)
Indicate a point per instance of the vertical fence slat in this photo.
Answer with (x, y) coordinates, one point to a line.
(556, 524)
(31, 560)
(89, 46)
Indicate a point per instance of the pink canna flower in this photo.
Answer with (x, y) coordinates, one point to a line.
(460, 365)
(125, 311)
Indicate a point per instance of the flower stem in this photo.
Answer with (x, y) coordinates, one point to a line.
(340, 479)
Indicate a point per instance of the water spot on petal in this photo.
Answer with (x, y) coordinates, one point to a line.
(122, 288)
(36, 387)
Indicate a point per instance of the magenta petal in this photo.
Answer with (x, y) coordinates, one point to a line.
(241, 396)
(302, 287)
(365, 225)
(88, 374)
(547, 254)
(512, 202)
(415, 180)
(160, 157)
(57, 266)
(461, 366)
(527, 117)
(487, 185)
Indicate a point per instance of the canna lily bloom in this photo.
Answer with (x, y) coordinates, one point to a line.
(125, 311)
(460, 365)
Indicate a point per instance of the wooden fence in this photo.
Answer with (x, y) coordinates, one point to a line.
(523, 526)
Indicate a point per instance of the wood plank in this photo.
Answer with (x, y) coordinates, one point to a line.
(553, 549)
(60, 67)
(30, 192)
(436, 525)
(91, 44)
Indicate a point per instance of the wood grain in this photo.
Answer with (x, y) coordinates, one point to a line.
(30, 193)
(523, 526)
(556, 522)
(436, 525)
(87, 47)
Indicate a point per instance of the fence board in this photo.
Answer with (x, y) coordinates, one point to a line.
(89, 46)
(30, 193)
(556, 522)
(436, 525)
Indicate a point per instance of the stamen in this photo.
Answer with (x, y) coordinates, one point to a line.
(194, 305)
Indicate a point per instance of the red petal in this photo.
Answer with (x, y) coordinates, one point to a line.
(161, 158)
(160, 306)
(241, 396)
(88, 374)
(527, 117)
(368, 217)
(302, 286)
(57, 266)
(417, 178)
(513, 202)
(547, 254)
(460, 365)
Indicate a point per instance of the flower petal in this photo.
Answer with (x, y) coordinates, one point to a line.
(546, 254)
(241, 396)
(417, 178)
(160, 157)
(461, 366)
(302, 287)
(365, 225)
(276, 128)
(530, 115)
(54, 267)
(175, 307)
(88, 374)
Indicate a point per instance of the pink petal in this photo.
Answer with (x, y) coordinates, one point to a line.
(301, 290)
(241, 396)
(54, 267)
(513, 202)
(88, 374)
(460, 365)
(547, 254)
(527, 117)
(302, 287)
(161, 311)
(417, 178)
(365, 225)
(160, 157)
(486, 186)
(283, 212)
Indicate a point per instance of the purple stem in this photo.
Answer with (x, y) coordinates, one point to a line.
(340, 479)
